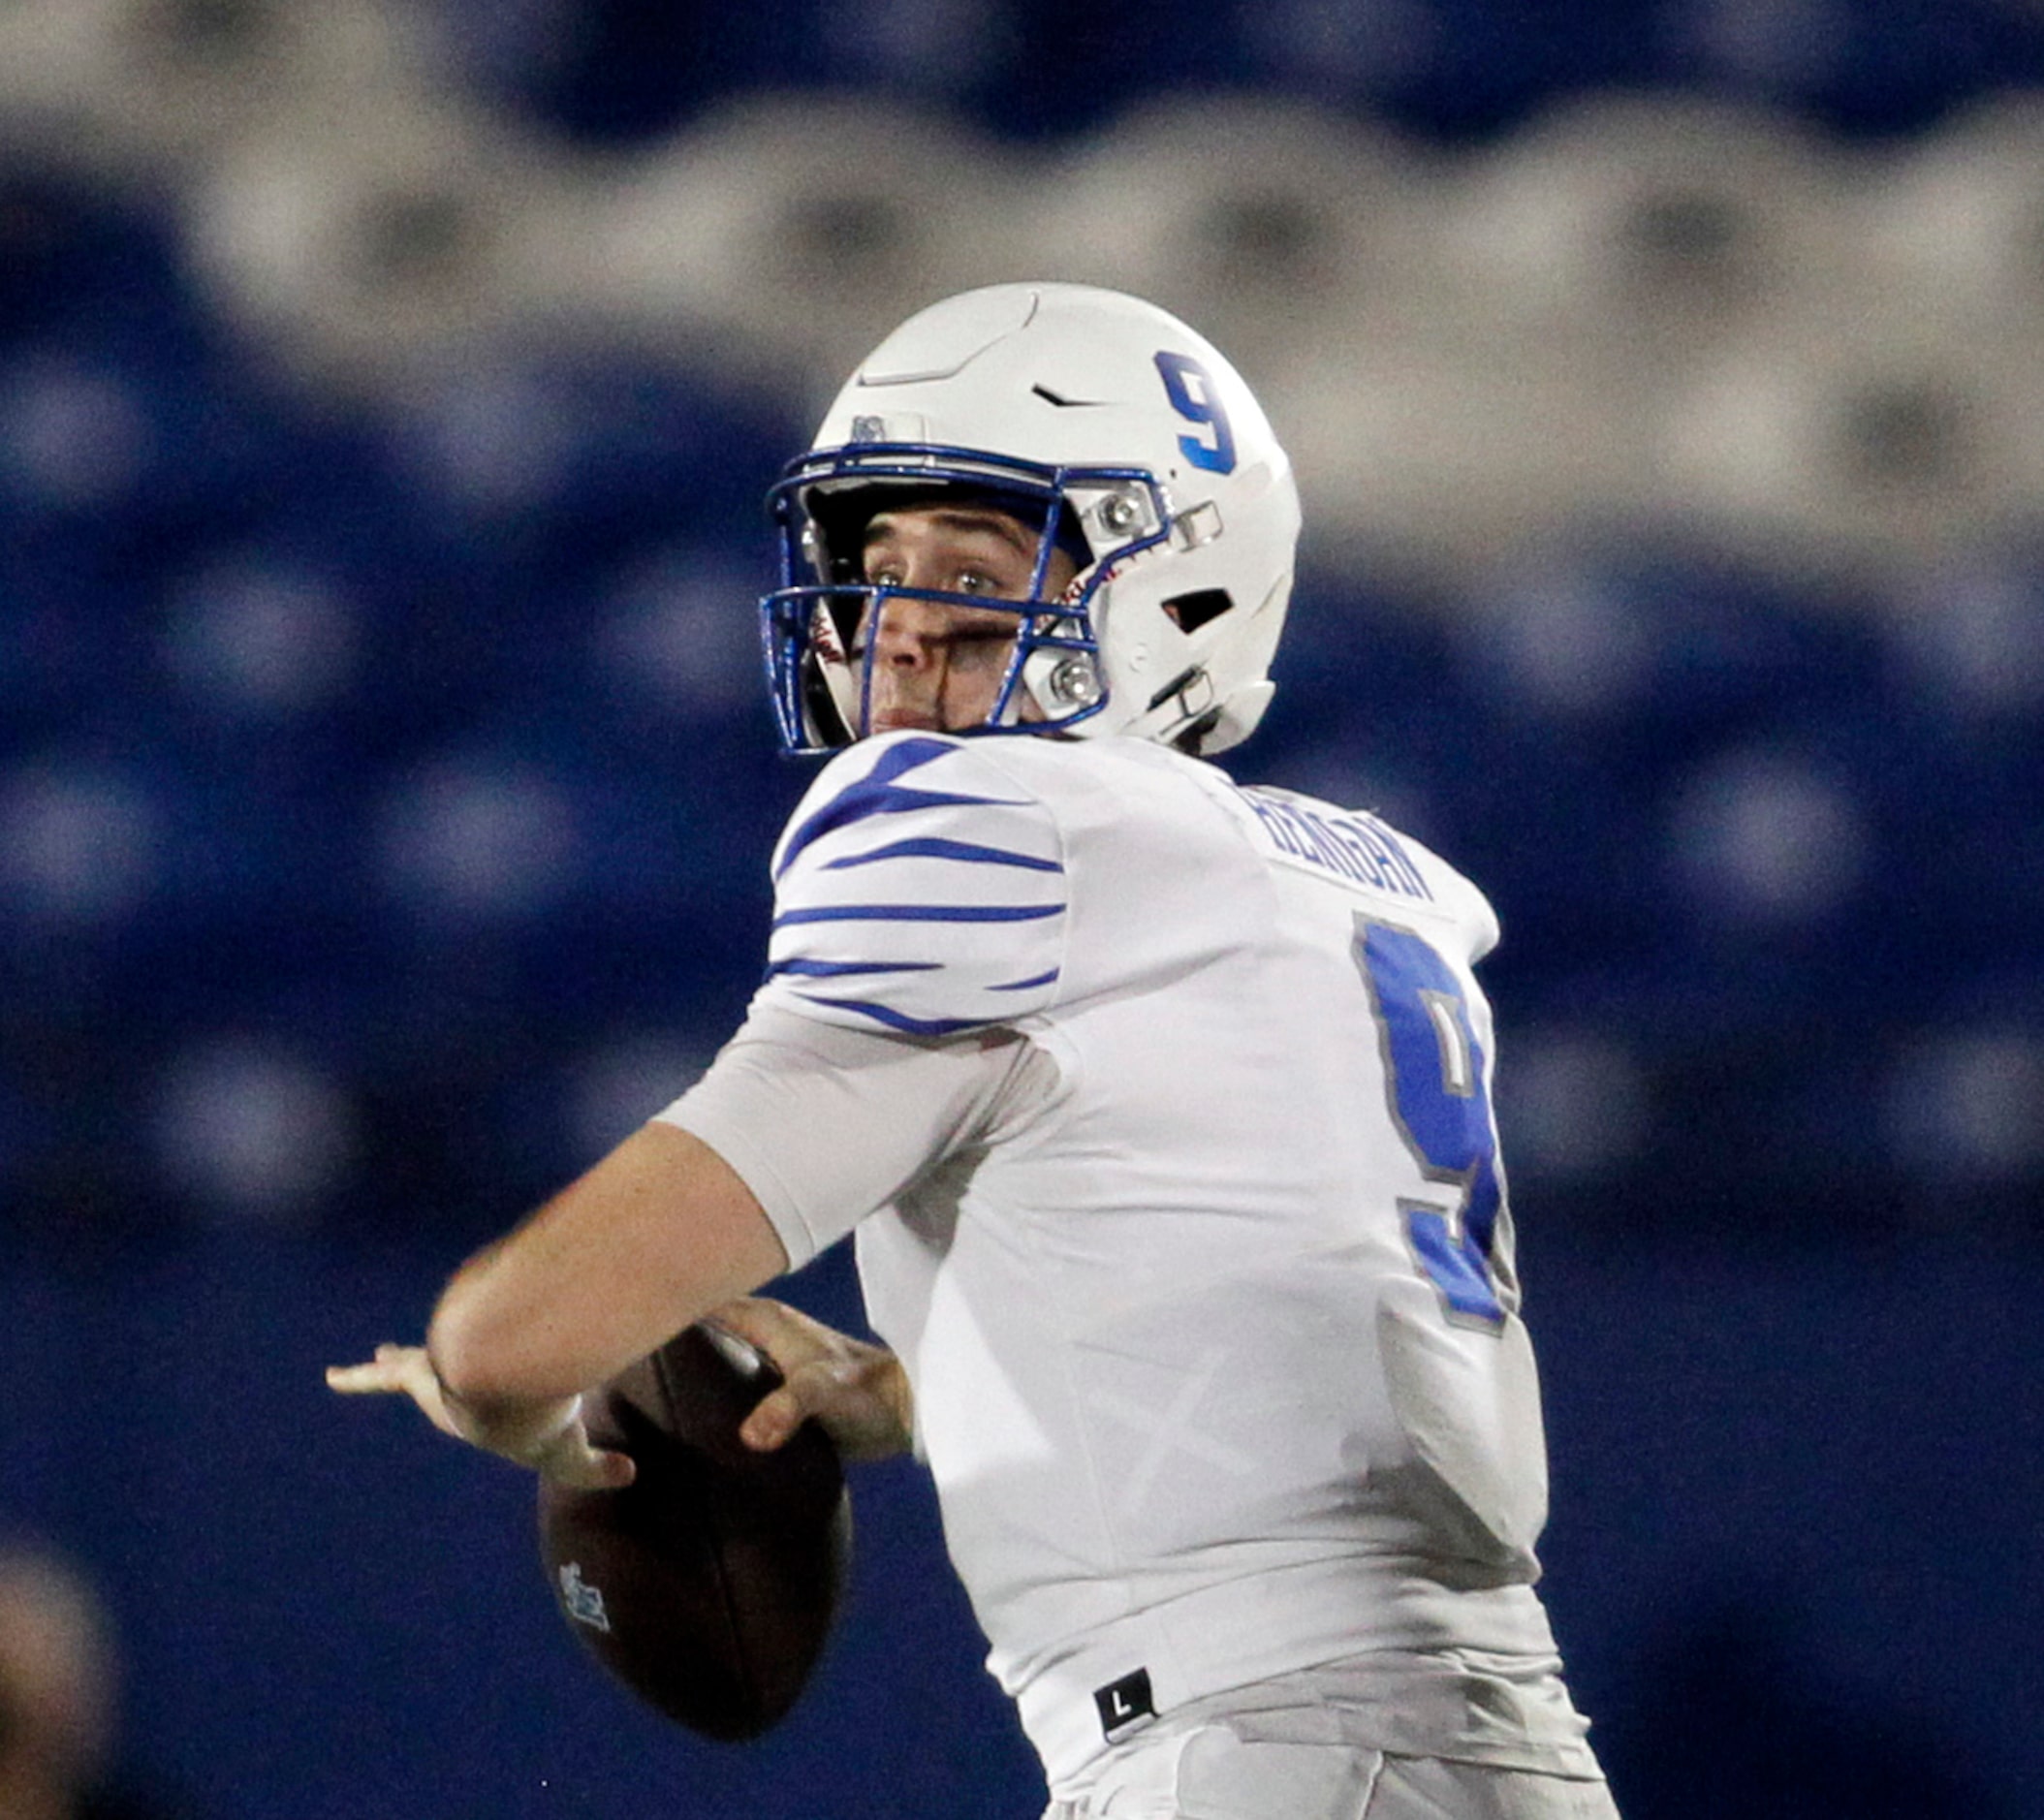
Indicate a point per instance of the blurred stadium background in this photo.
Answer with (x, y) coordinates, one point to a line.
(387, 392)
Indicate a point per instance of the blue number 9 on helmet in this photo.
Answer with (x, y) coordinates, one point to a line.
(1126, 441)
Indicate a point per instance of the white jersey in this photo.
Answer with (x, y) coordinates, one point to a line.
(1205, 1291)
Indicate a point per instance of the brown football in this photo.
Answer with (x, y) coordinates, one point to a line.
(707, 1585)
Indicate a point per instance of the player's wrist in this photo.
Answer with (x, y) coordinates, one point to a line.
(527, 1432)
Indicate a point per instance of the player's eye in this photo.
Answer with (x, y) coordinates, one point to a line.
(985, 581)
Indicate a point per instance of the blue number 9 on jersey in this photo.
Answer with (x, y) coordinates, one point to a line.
(1441, 1106)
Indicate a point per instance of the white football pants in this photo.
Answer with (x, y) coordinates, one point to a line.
(1206, 1772)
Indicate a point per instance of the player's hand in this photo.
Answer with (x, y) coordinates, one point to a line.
(547, 1437)
(858, 1393)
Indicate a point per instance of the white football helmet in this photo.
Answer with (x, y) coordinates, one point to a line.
(1136, 449)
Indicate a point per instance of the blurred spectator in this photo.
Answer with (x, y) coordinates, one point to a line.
(58, 1676)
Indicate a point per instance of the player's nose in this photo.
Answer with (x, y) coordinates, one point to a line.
(910, 633)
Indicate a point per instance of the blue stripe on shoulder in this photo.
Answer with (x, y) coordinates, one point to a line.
(933, 847)
(839, 969)
(877, 794)
(899, 1021)
(919, 913)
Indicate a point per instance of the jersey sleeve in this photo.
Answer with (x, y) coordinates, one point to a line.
(918, 890)
(827, 1125)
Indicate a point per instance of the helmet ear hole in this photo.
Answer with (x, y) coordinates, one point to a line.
(1190, 611)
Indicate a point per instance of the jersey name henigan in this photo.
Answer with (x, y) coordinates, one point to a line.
(1216, 1351)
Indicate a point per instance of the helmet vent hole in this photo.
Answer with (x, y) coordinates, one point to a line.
(1190, 611)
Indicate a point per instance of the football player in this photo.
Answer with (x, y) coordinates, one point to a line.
(1158, 1107)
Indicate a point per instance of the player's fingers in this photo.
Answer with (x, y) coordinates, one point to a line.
(391, 1368)
(398, 1370)
(357, 1379)
(842, 1401)
(774, 1419)
(771, 1326)
(570, 1458)
(588, 1469)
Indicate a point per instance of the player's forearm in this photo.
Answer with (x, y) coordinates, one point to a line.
(656, 1234)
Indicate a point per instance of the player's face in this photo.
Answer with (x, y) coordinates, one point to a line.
(937, 667)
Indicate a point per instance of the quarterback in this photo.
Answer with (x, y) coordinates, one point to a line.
(1158, 1108)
